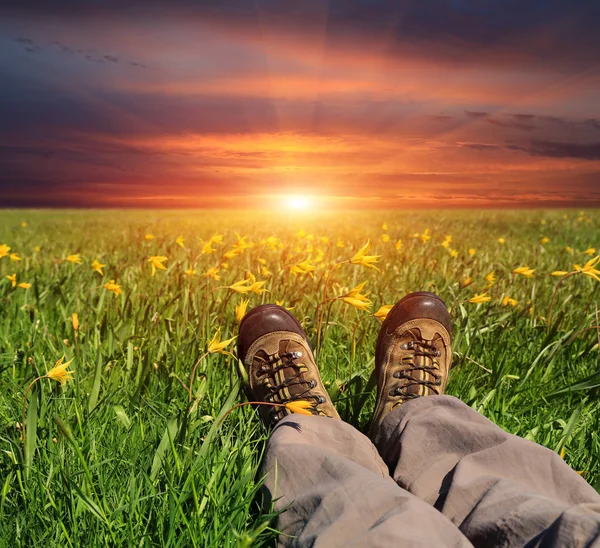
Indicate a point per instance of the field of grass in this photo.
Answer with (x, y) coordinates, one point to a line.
(127, 453)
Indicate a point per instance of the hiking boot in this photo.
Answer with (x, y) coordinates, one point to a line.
(280, 364)
(413, 353)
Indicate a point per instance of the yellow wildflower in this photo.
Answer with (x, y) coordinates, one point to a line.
(216, 239)
(304, 267)
(207, 248)
(24, 285)
(4, 249)
(588, 268)
(217, 346)
(14, 257)
(23, 224)
(13, 279)
(156, 262)
(340, 243)
(501, 241)
(75, 259)
(113, 287)
(301, 407)
(569, 249)
(280, 303)
(37, 248)
(180, 241)
(399, 245)
(425, 236)
(559, 273)
(356, 298)
(75, 321)
(480, 298)
(362, 258)
(590, 251)
(491, 278)
(453, 253)
(471, 252)
(59, 372)
(240, 310)
(383, 311)
(98, 266)
(213, 272)
(149, 236)
(545, 240)
(265, 272)
(467, 280)
(191, 271)
(384, 226)
(447, 241)
(385, 237)
(241, 286)
(508, 301)
(524, 270)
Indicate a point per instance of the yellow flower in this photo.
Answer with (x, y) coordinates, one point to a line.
(480, 298)
(75, 259)
(384, 226)
(59, 372)
(491, 278)
(304, 267)
(501, 241)
(24, 285)
(447, 241)
(13, 279)
(217, 346)
(383, 311)
(340, 243)
(559, 273)
(213, 272)
(216, 239)
(425, 236)
(113, 287)
(362, 258)
(240, 310)
(280, 303)
(4, 249)
(357, 299)
(471, 252)
(467, 280)
(524, 270)
(265, 272)
(207, 248)
(590, 251)
(149, 236)
(588, 268)
(14, 257)
(241, 286)
(385, 238)
(453, 253)
(569, 249)
(190, 271)
(399, 245)
(98, 266)
(37, 248)
(545, 240)
(157, 263)
(301, 407)
(23, 224)
(508, 301)
(180, 241)
(75, 321)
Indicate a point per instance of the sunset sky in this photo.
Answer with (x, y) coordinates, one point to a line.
(398, 103)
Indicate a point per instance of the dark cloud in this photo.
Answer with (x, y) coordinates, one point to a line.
(476, 114)
(479, 146)
(554, 149)
(510, 122)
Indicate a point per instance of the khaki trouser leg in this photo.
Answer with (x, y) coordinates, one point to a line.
(497, 488)
(338, 491)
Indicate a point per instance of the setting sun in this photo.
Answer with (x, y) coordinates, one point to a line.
(298, 203)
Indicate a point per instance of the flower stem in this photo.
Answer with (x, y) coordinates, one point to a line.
(194, 372)
(555, 292)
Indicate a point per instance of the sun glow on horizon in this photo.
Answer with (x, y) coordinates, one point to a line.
(298, 203)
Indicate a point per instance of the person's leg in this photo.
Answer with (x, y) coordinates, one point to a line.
(325, 476)
(334, 490)
(499, 489)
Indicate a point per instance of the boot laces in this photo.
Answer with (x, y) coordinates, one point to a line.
(276, 391)
(432, 379)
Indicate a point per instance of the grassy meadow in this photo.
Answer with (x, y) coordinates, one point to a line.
(129, 452)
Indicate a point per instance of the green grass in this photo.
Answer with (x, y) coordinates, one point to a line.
(120, 456)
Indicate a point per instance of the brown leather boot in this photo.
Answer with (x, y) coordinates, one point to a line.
(413, 353)
(280, 364)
